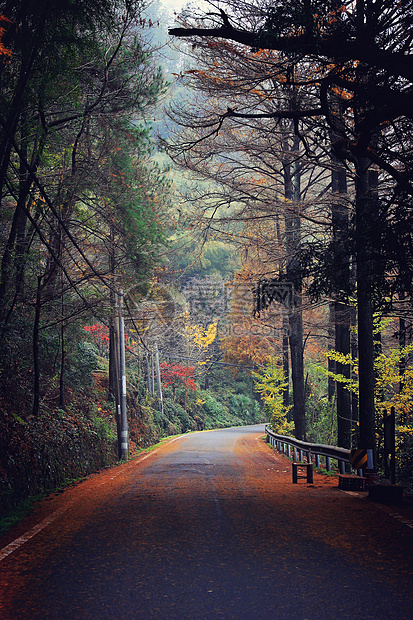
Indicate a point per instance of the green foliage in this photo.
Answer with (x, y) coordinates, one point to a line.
(270, 384)
(404, 464)
(388, 379)
(244, 407)
(393, 390)
(16, 514)
(320, 413)
(215, 413)
(213, 258)
(78, 85)
(83, 360)
(220, 408)
(176, 414)
(321, 421)
(50, 451)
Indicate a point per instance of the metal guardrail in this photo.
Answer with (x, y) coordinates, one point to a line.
(284, 443)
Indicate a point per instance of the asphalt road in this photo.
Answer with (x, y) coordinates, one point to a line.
(209, 526)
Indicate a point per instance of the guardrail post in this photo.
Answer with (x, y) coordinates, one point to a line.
(300, 450)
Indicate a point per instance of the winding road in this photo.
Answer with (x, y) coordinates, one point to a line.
(209, 525)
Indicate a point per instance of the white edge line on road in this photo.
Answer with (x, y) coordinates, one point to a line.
(29, 534)
(13, 546)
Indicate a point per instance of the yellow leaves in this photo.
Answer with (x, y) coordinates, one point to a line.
(201, 337)
(342, 93)
(392, 388)
(405, 430)
(270, 384)
(336, 356)
(204, 337)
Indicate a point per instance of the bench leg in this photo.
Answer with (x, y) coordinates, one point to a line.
(309, 467)
(295, 473)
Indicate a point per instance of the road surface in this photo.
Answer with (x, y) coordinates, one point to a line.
(208, 526)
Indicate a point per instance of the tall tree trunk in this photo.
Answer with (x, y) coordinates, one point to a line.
(331, 386)
(342, 312)
(354, 355)
(364, 218)
(286, 363)
(292, 191)
(62, 402)
(62, 347)
(285, 325)
(14, 247)
(36, 360)
(9, 122)
(113, 374)
(342, 344)
(405, 333)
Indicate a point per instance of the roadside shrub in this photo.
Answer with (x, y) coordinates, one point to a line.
(216, 414)
(177, 415)
(82, 361)
(405, 463)
(44, 453)
(244, 407)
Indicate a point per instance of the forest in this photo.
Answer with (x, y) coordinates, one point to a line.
(202, 227)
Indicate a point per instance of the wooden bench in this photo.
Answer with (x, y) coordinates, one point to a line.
(298, 469)
(351, 483)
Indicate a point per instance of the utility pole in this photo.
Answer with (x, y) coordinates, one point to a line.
(124, 440)
(114, 374)
(148, 372)
(158, 379)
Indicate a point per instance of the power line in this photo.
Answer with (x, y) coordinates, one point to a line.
(182, 357)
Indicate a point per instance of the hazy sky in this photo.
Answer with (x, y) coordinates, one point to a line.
(174, 5)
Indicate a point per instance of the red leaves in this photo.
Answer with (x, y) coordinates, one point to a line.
(3, 50)
(100, 332)
(175, 374)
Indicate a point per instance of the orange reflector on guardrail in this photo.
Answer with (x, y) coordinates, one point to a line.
(359, 458)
